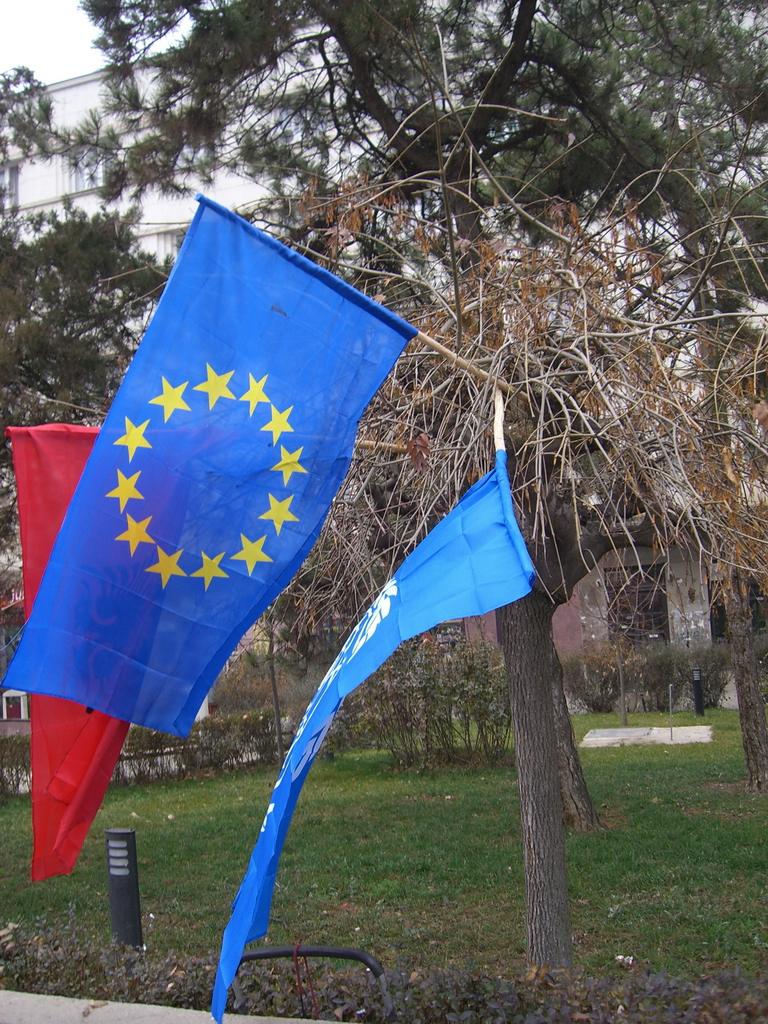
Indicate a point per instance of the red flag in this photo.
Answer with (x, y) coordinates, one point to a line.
(74, 751)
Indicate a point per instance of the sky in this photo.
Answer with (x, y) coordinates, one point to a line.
(51, 37)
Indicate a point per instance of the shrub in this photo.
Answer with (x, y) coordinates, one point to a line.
(669, 663)
(148, 756)
(351, 727)
(714, 660)
(591, 677)
(437, 704)
(14, 765)
(482, 721)
(233, 741)
(245, 685)
(60, 959)
(664, 664)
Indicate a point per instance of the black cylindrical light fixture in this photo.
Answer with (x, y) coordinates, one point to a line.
(698, 693)
(123, 877)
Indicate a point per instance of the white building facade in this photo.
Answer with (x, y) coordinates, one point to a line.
(34, 185)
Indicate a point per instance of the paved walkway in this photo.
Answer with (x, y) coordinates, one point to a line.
(623, 737)
(25, 1008)
(730, 700)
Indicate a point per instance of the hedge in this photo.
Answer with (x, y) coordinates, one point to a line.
(58, 959)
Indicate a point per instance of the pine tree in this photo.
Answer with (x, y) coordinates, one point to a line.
(75, 293)
(569, 194)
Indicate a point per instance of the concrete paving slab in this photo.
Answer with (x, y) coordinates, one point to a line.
(625, 737)
(26, 1008)
(618, 734)
(730, 700)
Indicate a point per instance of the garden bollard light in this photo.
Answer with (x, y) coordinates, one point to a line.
(123, 876)
(698, 693)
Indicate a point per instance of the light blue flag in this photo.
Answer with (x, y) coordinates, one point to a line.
(473, 561)
(211, 477)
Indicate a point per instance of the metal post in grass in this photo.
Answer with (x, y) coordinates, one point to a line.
(671, 689)
(698, 693)
(622, 683)
(123, 879)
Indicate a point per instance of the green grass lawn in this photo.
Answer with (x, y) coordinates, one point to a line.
(428, 866)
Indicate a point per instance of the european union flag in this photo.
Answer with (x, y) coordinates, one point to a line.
(211, 477)
(474, 560)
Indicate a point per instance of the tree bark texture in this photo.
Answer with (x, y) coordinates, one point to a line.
(754, 734)
(526, 636)
(275, 701)
(578, 810)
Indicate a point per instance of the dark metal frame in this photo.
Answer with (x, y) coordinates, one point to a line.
(327, 952)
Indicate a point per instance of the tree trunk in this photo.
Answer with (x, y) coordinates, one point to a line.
(578, 810)
(275, 700)
(526, 636)
(754, 734)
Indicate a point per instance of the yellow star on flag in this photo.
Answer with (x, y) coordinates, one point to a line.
(251, 552)
(216, 386)
(279, 423)
(133, 437)
(126, 488)
(278, 512)
(255, 392)
(289, 463)
(210, 568)
(170, 399)
(136, 533)
(166, 565)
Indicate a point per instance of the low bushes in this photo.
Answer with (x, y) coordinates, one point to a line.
(242, 685)
(14, 765)
(213, 743)
(592, 681)
(433, 703)
(662, 664)
(245, 683)
(60, 960)
(148, 756)
(591, 677)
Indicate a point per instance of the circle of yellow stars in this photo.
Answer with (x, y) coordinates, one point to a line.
(216, 387)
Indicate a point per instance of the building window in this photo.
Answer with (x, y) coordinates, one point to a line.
(637, 603)
(86, 172)
(758, 605)
(14, 705)
(9, 184)
(168, 245)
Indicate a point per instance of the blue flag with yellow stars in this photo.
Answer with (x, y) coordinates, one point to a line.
(211, 477)
(472, 561)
